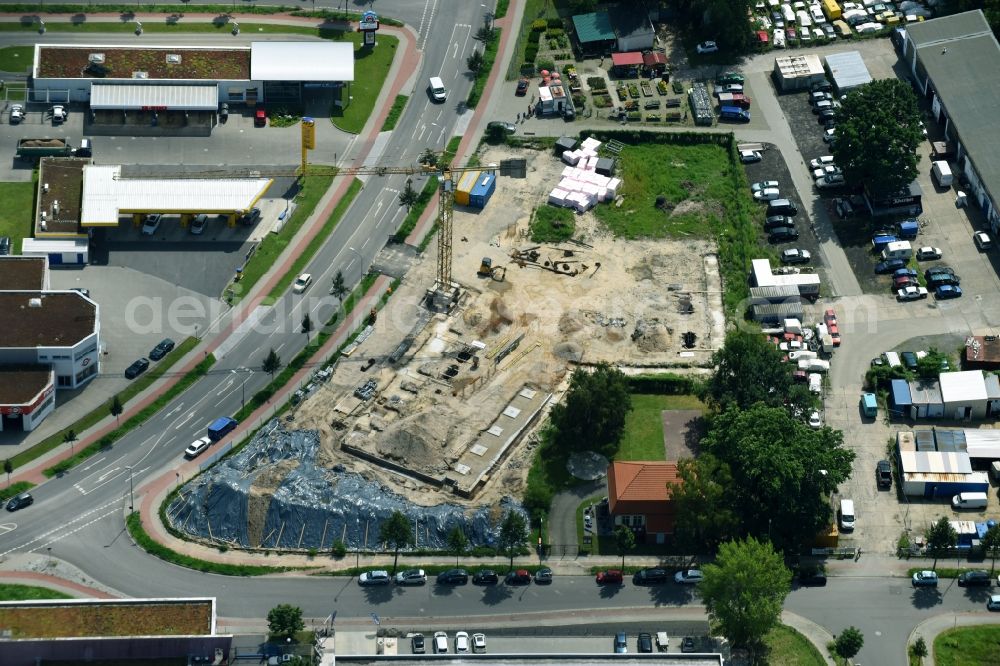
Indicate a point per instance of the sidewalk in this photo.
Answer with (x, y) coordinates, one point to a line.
(938, 624)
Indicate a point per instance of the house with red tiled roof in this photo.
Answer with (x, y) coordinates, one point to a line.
(638, 497)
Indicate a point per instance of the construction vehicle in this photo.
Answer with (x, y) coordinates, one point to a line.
(35, 149)
(485, 267)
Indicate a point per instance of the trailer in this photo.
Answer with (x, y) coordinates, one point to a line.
(35, 149)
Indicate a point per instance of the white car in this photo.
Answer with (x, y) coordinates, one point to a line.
(993, 603)
(911, 293)
(197, 447)
(302, 282)
(707, 47)
(58, 114)
(819, 172)
(198, 224)
(815, 420)
(778, 41)
(440, 642)
(750, 156)
(479, 643)
(688, 577)
(869, 28)
(795, 256)
(819, 162)
(461, 642)
(151, 224)
(791, 345)
(982, 240)
(16, 114)
(767, 194)
(763, 185)
(830, 180)
(928, 252)
(830, 134)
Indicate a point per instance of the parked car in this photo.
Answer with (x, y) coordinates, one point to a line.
(938, 270)
(518, 577)
(925, 578)
(993, 603)
(377, 577)
(938, 279)
(975, 578)
(830, 180)
(909, 360)
(260, 116)
(20, 501)
(16, 114)
(820, 96)
(151, 224)
(522, 87)
(946, 291)
(782, 207)
(302, 282)
(688, 577)
(904, 281)
(729, 77)
(198, 224)
(543, 576)
(782, 235)
(927, 253)
(735, 88)
(688, 644)
(795, 256)
(610, 577)
(137, 368)
(251, 217)
(883, 474)
(825, 116)
(645, 643)
(485, 577)
(707, 47)
(501, 126)
(417, 645)
(774, 221)
(479, 643)
(888, 266)
(821, 86)
(911, 293)
(621, 643)
(411, 577)
(461, 642)
(651, 576)
(767, 194)
(982, 240)
(440, 642)
(825, 170)
(763, 185)
(4, 246)
(821, 162)
(750, 156)
(830, 135)
(162, 349)
(453, 577)
(224, 112)
(812, 577)
(197, 447)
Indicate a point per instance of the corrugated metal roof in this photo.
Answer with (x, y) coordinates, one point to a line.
(847, 70)
(992, 387)
(106, 195)
(982, 443)
(593, 27)
(950, 440)
(925, 392)
(934, 462)
(948, 27)
(900, 393)
(136, 96)
(302, 61)
(965, 386)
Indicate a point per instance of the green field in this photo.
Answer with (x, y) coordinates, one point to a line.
(15, 214)
(968, 646)
(371, 67)
(394, 113)
(16, 58)
(790, 648)
(643, 437)
(550, 224)
(11, 592)
(695, 182)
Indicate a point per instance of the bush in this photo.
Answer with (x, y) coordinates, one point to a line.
(596, 83)
(339, 549)
(634, 115)
(554, 23)
(602, 101)
(678, 87)
(534, 38)
(539, 25)
(653, 118)
(663, 384)
(553, 44)
(545, 63)
(530, 53)
(555, 33)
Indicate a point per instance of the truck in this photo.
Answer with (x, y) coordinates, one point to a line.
(734, 99)
(34, 149)
(942, 173)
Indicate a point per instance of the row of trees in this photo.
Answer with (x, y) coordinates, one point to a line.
(942, 537)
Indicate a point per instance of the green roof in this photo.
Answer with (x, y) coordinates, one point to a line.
(595, 27)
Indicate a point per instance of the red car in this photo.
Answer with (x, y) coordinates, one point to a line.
(260, 117)
(610, 577)
(522, 87)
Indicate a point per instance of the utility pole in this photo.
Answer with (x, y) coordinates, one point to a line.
(131, 490)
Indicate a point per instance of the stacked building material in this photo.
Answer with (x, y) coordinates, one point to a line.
(581, 187)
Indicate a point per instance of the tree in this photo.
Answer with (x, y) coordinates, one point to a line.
(702, 497)
(990, 542)
(749, 370)
(428, 157)
(116, 408)
(338, 288)
(849, 642)
(940, 537)
(397, 532)
(783, 471)
(475, 61)
(513, 535)
(624, 541)
(930, 365)
(744, 591)
(271, 363)
(307, 325)
(285, 620)
(69, 438)
(592, 415)
(408, 196)
(457, 542)
(8, 467)
(878, 132)
(919, 648)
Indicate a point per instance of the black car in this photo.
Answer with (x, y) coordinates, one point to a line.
(812, 578)
(4, 245)
(937, 279)
(889, 266)
(650, 577)
(883, 474)
(251, 217)
(825, 116)
(782, 207)
(774, 221)
(977, 578)
(20, 501)
(453, 577)
(417, 645)
(137, 368)
(782, 235)
(909, 360)
(161, 350)
(645, 643)
(485, 577)
(687, 645)
(822, 86)
(543, 576)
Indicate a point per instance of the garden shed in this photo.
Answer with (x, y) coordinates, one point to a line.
(594, 33)
(626, 65)
(654, 62)
(925, 399)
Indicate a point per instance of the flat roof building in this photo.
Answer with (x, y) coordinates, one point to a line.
(847, 71)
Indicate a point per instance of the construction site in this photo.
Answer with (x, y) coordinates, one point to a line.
(442, 408)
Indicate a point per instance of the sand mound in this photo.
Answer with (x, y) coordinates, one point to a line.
(651, 336)
(568, 351)
(569, 323)
(422, 437)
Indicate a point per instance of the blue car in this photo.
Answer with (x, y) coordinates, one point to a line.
(889, 266)
(879, 241)
(904, 272)
(948, 291)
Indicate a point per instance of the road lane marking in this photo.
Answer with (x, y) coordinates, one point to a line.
(7, 527)
(116, 502)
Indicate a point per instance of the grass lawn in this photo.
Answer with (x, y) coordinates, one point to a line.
(643, 437)
(533, 9)
(16, 58)
(968, 646)
(24, 592)
(15, 214)
(550, 224)
(695, 181)
(790, 648)
(371, 67)
(394, 113)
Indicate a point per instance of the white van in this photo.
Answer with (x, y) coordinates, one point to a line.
(814, 365)
(803, 18)
(847, 515)
(438, 91)
(969, 501)
(815, 383)
(892, 358)
(787, 13)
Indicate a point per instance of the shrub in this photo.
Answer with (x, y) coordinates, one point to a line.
(596, 83)
(602, 101)
(555, 33)
(545, 63)
(634, 115)
(579, 100)
(530, 53)
(539, 25)
(339, 549)
(653, 118)
(553, 44)
(678, 87)
(554, 23)
(534, 38)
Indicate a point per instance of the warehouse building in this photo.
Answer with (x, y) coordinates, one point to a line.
(847, 71)
(798, 72)
(954, 61)
(959, 396)
(935, 473)
(963, 395)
